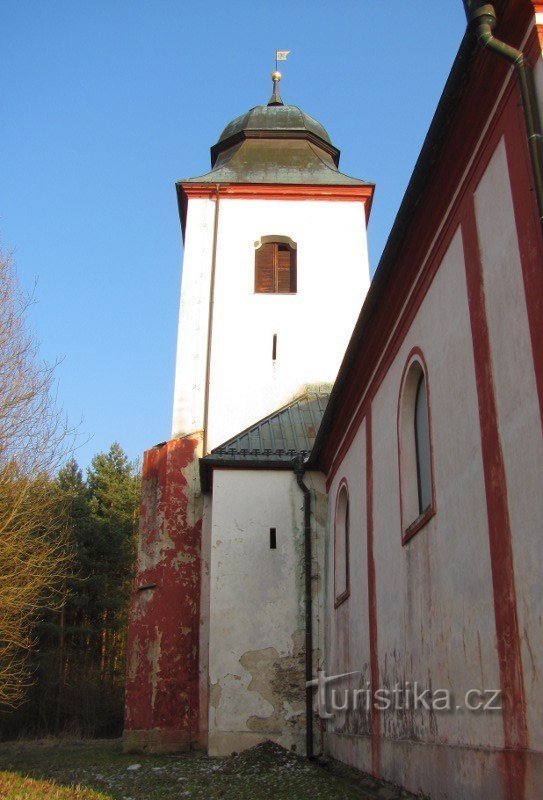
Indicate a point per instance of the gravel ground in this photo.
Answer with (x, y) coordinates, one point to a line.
(79, 770)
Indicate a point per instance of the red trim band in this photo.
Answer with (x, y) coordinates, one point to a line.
(372, 605)
(499, 528)
(265, 191)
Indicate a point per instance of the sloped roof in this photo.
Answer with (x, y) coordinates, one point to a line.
(287, 160)
(272, 442)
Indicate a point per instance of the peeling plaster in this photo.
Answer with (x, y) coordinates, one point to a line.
(280, 680)
(162, 691)
(215, 693)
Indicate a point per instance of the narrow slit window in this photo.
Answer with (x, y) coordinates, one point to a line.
(422, 443)
(341, 547)
(273, 539)
(275, 268)
(274, 347)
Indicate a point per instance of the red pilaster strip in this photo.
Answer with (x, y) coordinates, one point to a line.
(501, 553)
(530, 245)
(372, 605)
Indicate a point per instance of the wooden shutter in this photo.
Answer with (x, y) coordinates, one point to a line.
(275, 268)
(264, 268)
(286, 269)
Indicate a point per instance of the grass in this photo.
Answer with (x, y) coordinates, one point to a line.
(98, 770)
(15, 787)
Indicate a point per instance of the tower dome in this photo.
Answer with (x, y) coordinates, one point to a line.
(272, 119)
(274, 144)
(275, 121)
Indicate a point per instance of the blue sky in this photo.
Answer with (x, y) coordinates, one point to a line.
(107, 103)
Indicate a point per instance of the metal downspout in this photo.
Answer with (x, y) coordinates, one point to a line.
(299, 470)
(210, 317)
(482, 19)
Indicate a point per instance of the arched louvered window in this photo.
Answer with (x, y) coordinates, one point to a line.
(415, 448)
(275, 267)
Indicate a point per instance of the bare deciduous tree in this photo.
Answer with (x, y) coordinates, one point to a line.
(34, 441)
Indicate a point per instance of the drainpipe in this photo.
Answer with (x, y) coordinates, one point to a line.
(482, 19)
(210, 317)
(299, 469)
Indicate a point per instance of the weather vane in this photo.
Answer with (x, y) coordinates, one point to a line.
(275, 100)
(280, 55)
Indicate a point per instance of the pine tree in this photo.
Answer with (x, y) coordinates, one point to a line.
(114, 489)
(78, 661)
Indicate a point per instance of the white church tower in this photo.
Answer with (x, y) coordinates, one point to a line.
(275, 270)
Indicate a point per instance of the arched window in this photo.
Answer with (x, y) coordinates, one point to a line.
(422, 443)
(415, 450)
(341, 546)
(275, 265)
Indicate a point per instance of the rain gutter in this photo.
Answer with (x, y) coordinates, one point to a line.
(482, 20)
(210, 317)
(299, 470)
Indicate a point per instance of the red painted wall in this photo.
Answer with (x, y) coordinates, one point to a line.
(162, 689)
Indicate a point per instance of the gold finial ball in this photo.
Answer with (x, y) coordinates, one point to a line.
(276, 75)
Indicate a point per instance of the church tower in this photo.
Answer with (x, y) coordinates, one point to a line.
(275, 271)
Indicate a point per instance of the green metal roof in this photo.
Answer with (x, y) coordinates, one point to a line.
(267, 118)
(277, 162)
(274, 441)
(277, 144)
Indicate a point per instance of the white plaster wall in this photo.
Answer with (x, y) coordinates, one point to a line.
(347, 628)
(190, 370)
(518, 414)
(313, 326)
(204, 617)
(435, 613)
(347, 640)
(438, 625)
(256, 600)
(316, 483)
